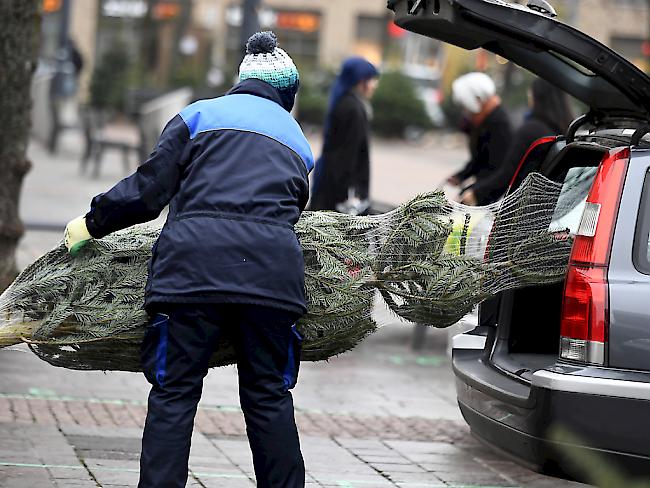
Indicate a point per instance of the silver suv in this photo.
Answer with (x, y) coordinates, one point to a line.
(574, 355)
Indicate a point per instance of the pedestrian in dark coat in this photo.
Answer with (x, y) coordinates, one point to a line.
(490, 131)
(550, 114)
(234, 171)
(342, 175)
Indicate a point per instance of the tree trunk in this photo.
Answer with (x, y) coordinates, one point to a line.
(250, 23)
(19, 40)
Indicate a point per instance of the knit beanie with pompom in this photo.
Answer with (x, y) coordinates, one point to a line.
(265, 61)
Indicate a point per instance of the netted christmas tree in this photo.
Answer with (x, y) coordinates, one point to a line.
(430, 260)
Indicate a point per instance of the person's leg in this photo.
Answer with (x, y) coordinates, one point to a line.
(176, 350)
(265, 345)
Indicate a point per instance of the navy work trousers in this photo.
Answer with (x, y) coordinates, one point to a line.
(176, 350)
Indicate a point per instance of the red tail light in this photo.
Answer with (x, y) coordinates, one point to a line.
(585, 310)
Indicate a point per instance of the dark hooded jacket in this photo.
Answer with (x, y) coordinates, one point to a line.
(489, 143)
(493, 186)
(234, 171)
(345, 162)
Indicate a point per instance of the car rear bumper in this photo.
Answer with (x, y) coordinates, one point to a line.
(497, 410)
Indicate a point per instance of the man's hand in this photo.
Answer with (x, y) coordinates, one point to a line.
(469, 198)
(454, 181)
(76, 235)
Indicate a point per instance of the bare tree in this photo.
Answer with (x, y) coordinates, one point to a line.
(19, 41)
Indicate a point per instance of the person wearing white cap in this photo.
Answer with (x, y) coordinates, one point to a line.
(490, 130)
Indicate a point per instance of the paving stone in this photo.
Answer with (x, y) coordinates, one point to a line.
(456, 466)
(432, 458)
(226, 483)
(104, 443)
(65, 483)
(469, 478)
(108, 478)
(209, 463)
(374, 460)
(77, 473)
(332, 477)
(134, 434)
(416, 478)
(413, 447)
(23, 477)
(398, 468)
(358, 484)
(225, 472)
(358, 444)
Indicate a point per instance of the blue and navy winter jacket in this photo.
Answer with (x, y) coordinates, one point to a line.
(234, 171)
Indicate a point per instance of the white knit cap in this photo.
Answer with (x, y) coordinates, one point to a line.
(472, 90)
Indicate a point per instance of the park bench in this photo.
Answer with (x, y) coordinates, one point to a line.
(136, 133)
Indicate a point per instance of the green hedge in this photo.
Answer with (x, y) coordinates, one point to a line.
(111, 79)
(312, 107)
(397, 107)
(313, 97)
(395, 104)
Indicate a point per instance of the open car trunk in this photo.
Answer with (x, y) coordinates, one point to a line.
(527, 334)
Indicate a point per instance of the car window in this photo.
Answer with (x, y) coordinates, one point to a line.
(641, 252)
(572, 200)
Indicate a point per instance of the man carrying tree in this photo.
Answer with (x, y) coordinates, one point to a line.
(234, 171)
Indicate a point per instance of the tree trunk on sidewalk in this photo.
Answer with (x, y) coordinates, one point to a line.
(19, 40)
(250, 22)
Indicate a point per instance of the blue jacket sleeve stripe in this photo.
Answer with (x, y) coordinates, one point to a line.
(251, 114)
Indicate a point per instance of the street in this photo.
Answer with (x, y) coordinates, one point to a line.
(379, 416)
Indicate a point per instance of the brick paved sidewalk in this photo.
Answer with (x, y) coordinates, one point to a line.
(73, 455)
(223, 421)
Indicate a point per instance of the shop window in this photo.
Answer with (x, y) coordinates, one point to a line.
(371, 29)
(371, 35)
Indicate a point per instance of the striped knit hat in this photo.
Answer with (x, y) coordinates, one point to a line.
(265, 61)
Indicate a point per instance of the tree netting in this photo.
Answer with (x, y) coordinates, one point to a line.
(430, 260)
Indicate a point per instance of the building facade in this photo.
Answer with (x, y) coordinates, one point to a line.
(318, 33)
(624, 25)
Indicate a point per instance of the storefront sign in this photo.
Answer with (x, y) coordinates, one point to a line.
(268, 18)
(124, 8)
(298, 21)
(166, 10)
(50, 6)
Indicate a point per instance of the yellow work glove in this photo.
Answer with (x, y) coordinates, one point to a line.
(76, 235)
